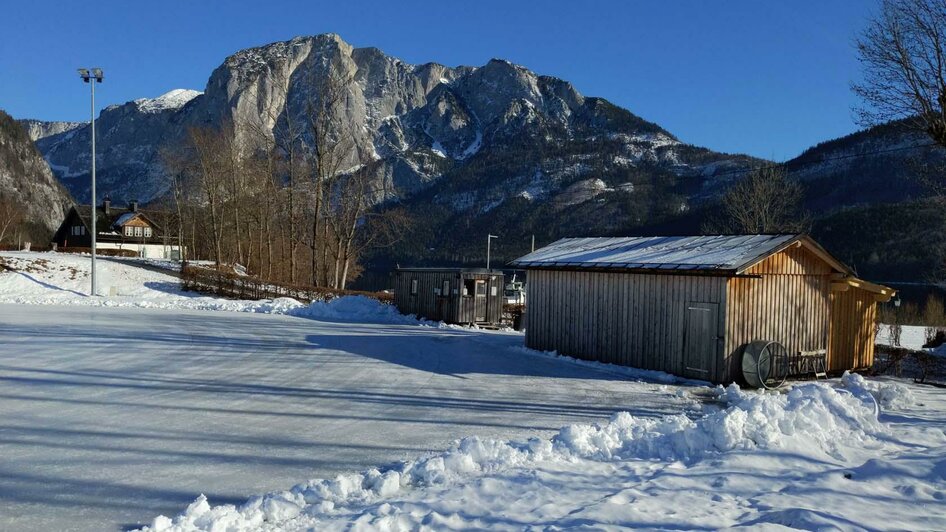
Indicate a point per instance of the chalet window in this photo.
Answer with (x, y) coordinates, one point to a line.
(129, 231)
(469, 286)
(138, 231)
(147, 231)
(413, 287)
(445, 291)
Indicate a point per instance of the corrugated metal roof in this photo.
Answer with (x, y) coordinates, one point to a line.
(696, 253)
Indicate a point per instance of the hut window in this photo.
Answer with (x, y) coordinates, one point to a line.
(129, 231)
(445, 291)
(147, 231)
(469, 285)
(481, 288)
(413, 287)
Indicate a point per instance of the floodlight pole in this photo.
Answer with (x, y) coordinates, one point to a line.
(489, 240)
(93, 78)
(94, 201)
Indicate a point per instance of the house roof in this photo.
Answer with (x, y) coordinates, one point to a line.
(117, 216)
(447, 270)
(725, 254)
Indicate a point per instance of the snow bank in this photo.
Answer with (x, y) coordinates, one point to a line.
(810, 419)
(63, 279)
(887, 394)
(353, 308)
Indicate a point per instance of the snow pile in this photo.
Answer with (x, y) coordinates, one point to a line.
(64, 279)
(353, 308)
(813, 419)
(888, 395)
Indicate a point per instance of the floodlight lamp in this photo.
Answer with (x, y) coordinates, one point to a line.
(99, 75)
(84, 74)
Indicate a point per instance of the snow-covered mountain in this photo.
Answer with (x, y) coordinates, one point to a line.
(421, 123)
(26, 179)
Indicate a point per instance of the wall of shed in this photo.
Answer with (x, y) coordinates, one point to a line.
(619, 318)
(452, 308)
(853, 318)
(789, 303)
(426, 302)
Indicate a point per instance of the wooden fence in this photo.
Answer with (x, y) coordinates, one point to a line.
(228, 284)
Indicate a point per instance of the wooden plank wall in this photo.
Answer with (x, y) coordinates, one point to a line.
(619, 318)
(426, 303)
(853, 316)
(494, 304)
(789, 304)
(453, 309)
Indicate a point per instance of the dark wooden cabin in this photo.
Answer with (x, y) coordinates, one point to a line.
(454, 295)
(129, 227)
(690, 305)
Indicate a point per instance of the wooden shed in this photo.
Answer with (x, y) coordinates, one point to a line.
(454, 295)
(689, 305)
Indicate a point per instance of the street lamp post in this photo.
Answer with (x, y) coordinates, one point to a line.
(489, 240)
(87, 76)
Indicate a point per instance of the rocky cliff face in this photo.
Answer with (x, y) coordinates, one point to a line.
(26, 178)
(422, 124)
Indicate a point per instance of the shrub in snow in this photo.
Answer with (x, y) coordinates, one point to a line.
(811, 419)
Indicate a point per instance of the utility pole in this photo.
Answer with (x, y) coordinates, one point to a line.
(489, 240)
(533, 244)
(87, 77)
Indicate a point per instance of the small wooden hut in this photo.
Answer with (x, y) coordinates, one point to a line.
(454, 295)
(689, 305)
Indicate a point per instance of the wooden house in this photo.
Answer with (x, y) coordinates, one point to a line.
(690, 305)
(125, 228)
(453, 295)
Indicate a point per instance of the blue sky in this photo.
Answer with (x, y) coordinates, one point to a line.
(768, 78)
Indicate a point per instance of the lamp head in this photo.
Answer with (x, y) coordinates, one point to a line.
(98, 74)
(84, 74)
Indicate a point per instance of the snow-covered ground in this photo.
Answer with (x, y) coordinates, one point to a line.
(911, 336)
(816, 458)
(112, 416)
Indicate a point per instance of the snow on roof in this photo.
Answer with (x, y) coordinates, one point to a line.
(174, 99)
(725, 253)
(125, 218)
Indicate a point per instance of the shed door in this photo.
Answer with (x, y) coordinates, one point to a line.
(699, 343)
(480, 309)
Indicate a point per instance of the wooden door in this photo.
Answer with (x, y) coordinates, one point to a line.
(480, 305)
(700, 340)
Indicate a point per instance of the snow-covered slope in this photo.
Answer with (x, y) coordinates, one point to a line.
(171, 100)
(65, 279)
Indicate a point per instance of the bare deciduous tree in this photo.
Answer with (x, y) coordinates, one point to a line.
(333, 147)
(11, 214)
(765, 201)
(903, 54)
